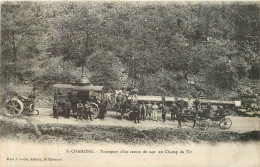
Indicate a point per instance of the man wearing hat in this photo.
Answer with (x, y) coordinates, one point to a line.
(136, 110)
(155, 109)
(56, 110)
(80, 110)
(87, 109)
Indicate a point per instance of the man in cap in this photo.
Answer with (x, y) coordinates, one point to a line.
(136, 110)
(56, 110)
(143, 111)
(173, 111)
(164, 110)
(88, 110)
(80, 110)
(155, 109)
(149, 110)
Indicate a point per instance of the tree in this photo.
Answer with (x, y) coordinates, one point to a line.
(22, 25)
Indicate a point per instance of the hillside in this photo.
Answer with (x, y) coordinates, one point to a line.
(167, 48)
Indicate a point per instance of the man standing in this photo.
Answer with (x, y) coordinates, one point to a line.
(180, 113)
(56, 109)
(80, 110)
(143, 111)
(119, 97)
(136, 110)
(149, 110)
(87, 109)
(163, 109)
(155, 108)
(67, 109)
(118, 107)
(173, 110)
(196, 106)
(103, 109)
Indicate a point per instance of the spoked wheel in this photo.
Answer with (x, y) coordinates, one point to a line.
(225, 123)
(202, 125)
(14, 107)
(94, 110)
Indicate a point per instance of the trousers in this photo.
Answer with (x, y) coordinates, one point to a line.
(154, 114)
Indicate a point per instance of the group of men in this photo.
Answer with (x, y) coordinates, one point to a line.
(83, 110)
(177, 110)
(148, 111)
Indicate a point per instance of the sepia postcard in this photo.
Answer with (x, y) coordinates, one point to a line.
(130, 83)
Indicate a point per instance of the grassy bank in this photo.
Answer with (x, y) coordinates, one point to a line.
(44, 133)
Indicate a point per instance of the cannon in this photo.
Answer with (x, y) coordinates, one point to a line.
(168, 100)
(21, 101)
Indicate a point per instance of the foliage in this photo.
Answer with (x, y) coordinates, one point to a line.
(157, 47)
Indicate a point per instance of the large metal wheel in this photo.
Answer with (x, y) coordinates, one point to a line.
(225, 123)
(202, 125)
(14, 107)
(94, 110)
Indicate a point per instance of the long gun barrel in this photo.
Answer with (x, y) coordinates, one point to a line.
(173, 99)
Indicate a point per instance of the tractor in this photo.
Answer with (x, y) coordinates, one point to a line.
(80, 90)
(20, 100)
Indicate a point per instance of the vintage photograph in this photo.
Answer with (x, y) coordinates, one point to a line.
(131, 73)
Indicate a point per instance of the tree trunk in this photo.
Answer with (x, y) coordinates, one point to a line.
(14, 48)
(14, 54)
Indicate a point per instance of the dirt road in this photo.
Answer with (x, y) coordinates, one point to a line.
(239, 124)
(44, 128)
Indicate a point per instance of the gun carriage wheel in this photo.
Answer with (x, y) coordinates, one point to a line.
(225, 123)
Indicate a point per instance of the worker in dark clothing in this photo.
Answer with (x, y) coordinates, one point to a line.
(194, 113)
(180, 113)
(117, 107)
(163, 109)
(196, 110)
(67, 109)
(197, 104)
(173, 111)
(136, 110)
(103, 110)
(119, 98)
(143, 111)
(56, 110)
(80, 110)
(88, 110)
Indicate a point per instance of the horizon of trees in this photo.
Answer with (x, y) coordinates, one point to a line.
(160, 48)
